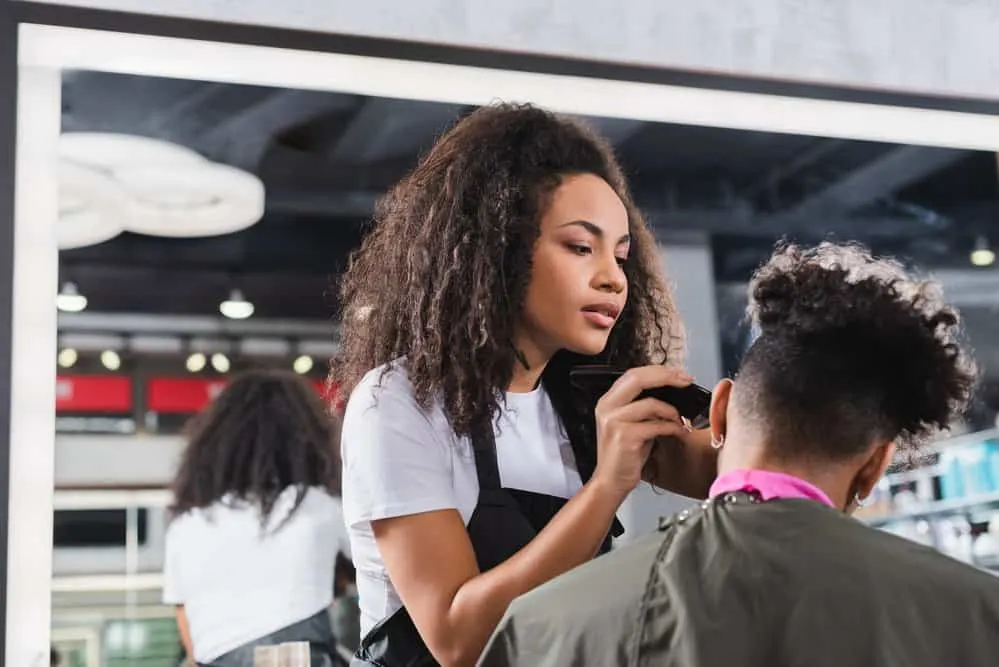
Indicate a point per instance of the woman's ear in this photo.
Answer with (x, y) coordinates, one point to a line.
(718, 413)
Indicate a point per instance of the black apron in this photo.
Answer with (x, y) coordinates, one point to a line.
(316, 630)
(503, 522)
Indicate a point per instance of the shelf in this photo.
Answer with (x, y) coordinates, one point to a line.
(938, 509)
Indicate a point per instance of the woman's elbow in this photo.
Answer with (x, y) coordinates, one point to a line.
(456, 651)
(458, 657)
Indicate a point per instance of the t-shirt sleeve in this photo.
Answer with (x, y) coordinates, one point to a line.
(172, 590)
(395, 462)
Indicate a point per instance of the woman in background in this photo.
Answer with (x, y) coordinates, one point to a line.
(257, 524)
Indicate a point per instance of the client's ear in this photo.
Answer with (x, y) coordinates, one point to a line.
(718, 413)
(874, 469)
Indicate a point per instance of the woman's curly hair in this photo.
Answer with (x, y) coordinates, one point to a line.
(440, 281)
(851, 350)
(265, 432)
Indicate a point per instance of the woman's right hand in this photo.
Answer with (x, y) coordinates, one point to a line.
(626, 428)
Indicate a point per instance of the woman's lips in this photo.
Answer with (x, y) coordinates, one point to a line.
(599, 319)
(601, 315)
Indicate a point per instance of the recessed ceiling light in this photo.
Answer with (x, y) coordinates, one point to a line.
(196, 362)
(67, 357)
(220, 362)
(302, 364)
(110, 360)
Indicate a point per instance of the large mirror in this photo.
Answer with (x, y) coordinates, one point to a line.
(191, 221)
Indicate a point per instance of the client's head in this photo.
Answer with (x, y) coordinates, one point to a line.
(854, 358)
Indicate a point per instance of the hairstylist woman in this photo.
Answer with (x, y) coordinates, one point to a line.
(252, 547)
(512, 252)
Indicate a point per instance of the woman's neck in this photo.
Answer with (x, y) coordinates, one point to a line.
(525, 379)
(528, 366)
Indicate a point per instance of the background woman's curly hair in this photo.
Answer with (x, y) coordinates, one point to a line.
(440, 280)
(266, 431)
(852, 349)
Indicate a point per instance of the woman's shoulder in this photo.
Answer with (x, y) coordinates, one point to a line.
(188, 524)
(398, 456)
(386, 393)
(389, 380)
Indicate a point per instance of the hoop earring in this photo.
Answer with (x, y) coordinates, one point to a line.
(717, 442)
(858, 501)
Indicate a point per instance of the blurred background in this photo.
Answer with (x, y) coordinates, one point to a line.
(203, 226)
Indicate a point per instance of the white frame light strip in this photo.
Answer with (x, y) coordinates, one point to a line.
(48, 50)
(77, 48)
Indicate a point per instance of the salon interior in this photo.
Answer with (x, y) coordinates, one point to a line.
(199, 226)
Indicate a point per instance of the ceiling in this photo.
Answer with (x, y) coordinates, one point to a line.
(324, 158)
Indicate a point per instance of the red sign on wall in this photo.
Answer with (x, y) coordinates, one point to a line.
(182, 395)
(107, 394)
(191, 395)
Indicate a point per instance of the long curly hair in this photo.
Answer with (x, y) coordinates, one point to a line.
(440, 281)
(265, 432)
(852, 349)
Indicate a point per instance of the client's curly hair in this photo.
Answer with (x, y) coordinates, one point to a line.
(440, 282)
(266, 431)
(851, 350)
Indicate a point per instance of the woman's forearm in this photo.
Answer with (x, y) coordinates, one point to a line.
(185, 633)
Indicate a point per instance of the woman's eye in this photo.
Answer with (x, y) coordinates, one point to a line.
(579, 249)
(621, 261)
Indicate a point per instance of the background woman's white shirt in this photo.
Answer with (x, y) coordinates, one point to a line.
(239, 581)
(399, 459)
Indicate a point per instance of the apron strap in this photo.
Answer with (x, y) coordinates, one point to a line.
(484, 447)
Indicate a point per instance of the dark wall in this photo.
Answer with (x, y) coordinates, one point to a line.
(8, 134)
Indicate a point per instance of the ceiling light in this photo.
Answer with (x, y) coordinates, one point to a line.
(211, 200)
(111, 183)
(69, 299)
(302, 364)
(236, 307)
(220, 362)
(196, 362)
(110, 360)
(67, 357)
(89, 207)
(982, 255)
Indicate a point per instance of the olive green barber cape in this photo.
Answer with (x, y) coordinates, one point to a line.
(735, 582)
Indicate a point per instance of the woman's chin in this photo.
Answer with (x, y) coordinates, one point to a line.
(589, 346)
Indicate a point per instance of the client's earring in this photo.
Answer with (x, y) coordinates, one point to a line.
(717, 442)
(858, 500)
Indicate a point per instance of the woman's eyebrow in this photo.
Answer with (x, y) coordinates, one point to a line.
(596, 230)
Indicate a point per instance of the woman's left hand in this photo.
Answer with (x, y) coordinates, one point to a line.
(686, 465)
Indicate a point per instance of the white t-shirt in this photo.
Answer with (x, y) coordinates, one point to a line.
(399, 459)
(239, 582)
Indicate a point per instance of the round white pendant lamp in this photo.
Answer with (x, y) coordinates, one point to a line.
(110, 183)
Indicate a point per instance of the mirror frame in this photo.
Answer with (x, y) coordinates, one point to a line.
(51, 39)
